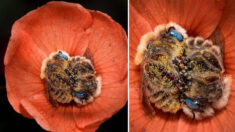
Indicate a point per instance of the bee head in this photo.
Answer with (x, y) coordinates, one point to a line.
(60, 54)
(194, 105)
(79, 95)
(174, 33)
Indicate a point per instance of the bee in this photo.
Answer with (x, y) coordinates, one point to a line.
(181, 73)
(70, 79)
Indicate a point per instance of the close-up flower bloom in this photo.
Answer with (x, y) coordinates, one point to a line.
(207, 19)
(69, 32)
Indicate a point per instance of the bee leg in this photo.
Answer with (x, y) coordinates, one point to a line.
(88, 56)
(193, 115)
(53, 102)
(147, 107)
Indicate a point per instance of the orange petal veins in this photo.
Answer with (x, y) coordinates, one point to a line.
(51, 119)
(108, 48)
(74, 29)
(227, 31)
(138, 27)
(198, 17)
(34, 36)
(41, 27)
(20, 82)
(222, 120)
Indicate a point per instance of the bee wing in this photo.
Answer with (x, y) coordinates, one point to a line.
(53, 102)
(218, 40)
(58, 95)
(207, 68)
(211, 54)
(153, 94)
(149, 110)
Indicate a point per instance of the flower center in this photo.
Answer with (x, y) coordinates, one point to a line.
(70, 79)
(180, 72)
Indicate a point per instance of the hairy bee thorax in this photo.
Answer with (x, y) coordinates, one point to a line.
(181, 72)
(70, 79)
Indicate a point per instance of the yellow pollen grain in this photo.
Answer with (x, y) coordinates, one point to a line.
(169, 68)
(180, 51)
(163, 83)
(181, 65)
(163, 59)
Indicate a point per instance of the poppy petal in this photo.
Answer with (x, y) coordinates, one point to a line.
(164, 123)
(138, 27)
(224, 119)
(54, 26)
(57, 25)
(108, 49)
(199, 18)
(49, 118)
(138, 118)
(23, 84)
(227, 31)
(139, 121)
(103, 107)
(64, 26)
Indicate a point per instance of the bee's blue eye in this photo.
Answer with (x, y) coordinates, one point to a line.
(79, 95)
(191, 104)
(176, 34)
(62, 55)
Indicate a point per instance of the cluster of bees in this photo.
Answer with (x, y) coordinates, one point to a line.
(70, 79)
(181, 73)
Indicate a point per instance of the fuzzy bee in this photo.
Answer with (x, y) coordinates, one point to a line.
(181, 73)
(70, 79)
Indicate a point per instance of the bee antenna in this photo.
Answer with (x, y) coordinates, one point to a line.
(193, 115)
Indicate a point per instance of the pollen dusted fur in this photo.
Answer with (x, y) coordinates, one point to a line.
(181, 73)
(70, 79)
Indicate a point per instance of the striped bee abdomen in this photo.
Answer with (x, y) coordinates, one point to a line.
(70, 79)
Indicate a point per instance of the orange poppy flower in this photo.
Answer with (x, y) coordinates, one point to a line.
(75, 30)
(199, 18)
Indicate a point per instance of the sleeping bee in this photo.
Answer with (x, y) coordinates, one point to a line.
(70, 79)
(181, 73)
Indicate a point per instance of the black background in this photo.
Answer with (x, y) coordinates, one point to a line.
(10, 11)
